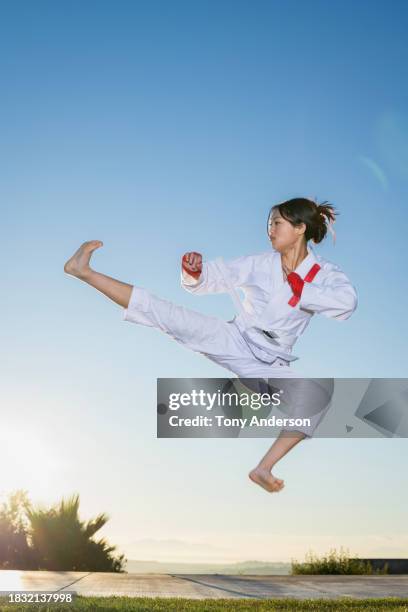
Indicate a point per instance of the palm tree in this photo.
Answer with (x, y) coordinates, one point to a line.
(61, 541)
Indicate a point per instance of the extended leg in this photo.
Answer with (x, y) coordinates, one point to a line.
(262, 473)
(214, 338)
(78, 266)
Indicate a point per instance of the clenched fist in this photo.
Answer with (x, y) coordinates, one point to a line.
(192, 263)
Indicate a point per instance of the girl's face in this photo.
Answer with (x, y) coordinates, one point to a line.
(283, 234)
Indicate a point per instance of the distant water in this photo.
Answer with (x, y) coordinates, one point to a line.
(247, 567)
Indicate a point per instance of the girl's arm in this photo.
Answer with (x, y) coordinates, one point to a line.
(211, 280)
(335, 298)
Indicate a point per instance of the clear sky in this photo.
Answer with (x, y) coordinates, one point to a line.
(163, 127)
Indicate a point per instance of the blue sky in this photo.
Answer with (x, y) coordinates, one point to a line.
(165, 127)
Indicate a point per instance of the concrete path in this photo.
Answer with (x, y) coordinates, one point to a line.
(200, 586)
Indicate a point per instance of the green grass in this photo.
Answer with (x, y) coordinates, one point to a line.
(159, 604)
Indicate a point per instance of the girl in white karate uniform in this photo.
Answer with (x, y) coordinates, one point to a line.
(283, 289)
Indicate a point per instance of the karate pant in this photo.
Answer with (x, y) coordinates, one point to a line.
(218, 340)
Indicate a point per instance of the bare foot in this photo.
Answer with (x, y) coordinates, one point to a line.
(265, 479)
(78, 265)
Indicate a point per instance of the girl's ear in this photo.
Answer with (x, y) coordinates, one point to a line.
(301, 228)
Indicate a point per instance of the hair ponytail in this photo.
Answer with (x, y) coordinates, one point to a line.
(325, 218)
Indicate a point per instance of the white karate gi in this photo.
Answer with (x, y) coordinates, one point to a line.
(241, 345)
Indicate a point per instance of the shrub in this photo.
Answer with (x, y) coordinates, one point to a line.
(335, 562)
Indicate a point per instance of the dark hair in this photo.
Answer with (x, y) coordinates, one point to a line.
(312, 214)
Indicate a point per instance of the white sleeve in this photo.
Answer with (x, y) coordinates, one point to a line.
(212, 280)
(335, 298)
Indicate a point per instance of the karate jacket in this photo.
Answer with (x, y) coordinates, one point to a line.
(265, 306)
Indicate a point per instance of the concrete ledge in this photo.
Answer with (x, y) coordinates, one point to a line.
(202, 586)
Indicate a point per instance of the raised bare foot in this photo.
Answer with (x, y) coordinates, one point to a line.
(78, 265)
(265, 479)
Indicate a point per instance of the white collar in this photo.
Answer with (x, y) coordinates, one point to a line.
(302, 269)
